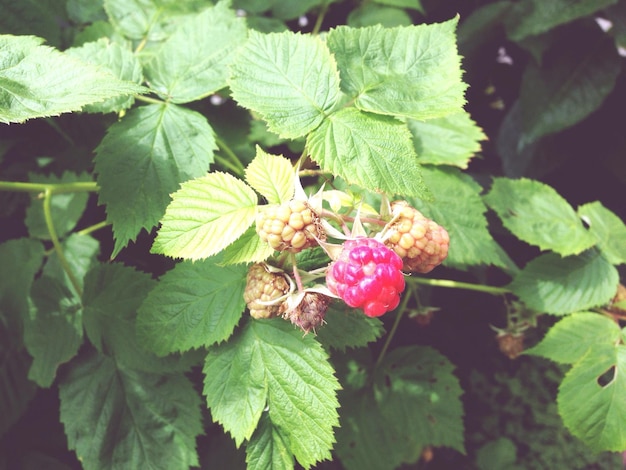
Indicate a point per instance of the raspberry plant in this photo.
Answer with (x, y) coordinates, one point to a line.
(288, 234)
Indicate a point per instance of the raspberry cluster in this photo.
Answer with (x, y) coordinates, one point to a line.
(263, 286)
(421, 243)
(291, 226)
(367, 275)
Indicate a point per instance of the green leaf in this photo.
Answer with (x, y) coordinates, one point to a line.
(269, 360)
(65, 208)
(39, 81)
(471, 243)
(272, 176)
(570, 338)
(370, 14)
(608, 229)
(289, 79)
(143, 159)
(292, 9)
(347, 328)
(206, 215)
(590, 398)
(113, 58)
(501, 453)
(556, 285)
(248, 248)
(16, 391)
(415, 402)
(181, 73)
(450, 140)
(372, 151)
(532, 17)
(40, 17)
(153, 20)
(193, 305)
(269, 448)
(113, 294)
(412, 71)
(572, 82)
(118, 419)
(86, 11)
(80, 252)
(20, 260)
(535, 213)
(410, 4)
(54, 331)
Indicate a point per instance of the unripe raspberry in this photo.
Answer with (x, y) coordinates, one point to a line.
(421, 243)
(291, 226)
(367, 275)
(309, 313)
(264, 286)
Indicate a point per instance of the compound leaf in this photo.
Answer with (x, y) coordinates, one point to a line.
(206, 215)
(535, 213)
(288, 371)
(569, 339)
(272, 176)
(450, 140)
(193, 62)
(115, 418)
(410, 71)
(556, 285)
(372, 151)
(608, 229)
(193, 305)
(591, 398)
(289, 79)
(39, 81)
(143, 159)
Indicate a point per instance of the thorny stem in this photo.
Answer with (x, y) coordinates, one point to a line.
(236, 165)
(459, 285)
(61, 188)
(296, 274)
(401, 309)
(47, 213)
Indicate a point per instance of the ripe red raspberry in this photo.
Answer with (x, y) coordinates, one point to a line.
(291, 226)
(367, 275)
(309, 312)
(421, 243)
(264, 286)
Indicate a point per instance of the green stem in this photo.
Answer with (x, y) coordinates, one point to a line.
(320, 19)
(52, 123)
(77, 187)
(401, 309)
(228, 164)
(231, 155)
(93, 228)
(459, 285)
(47, 213)
(147, 99)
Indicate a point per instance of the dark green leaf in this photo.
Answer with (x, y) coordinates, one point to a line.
(66, 208)
(54, 330)
(39, 17)
(113, 293)
(370, 14)
(556, 285)
(194, 305)
(120, 419)
(348, 328)
(609, 230)
(86, 11)
(143, 159)
(269, 448)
